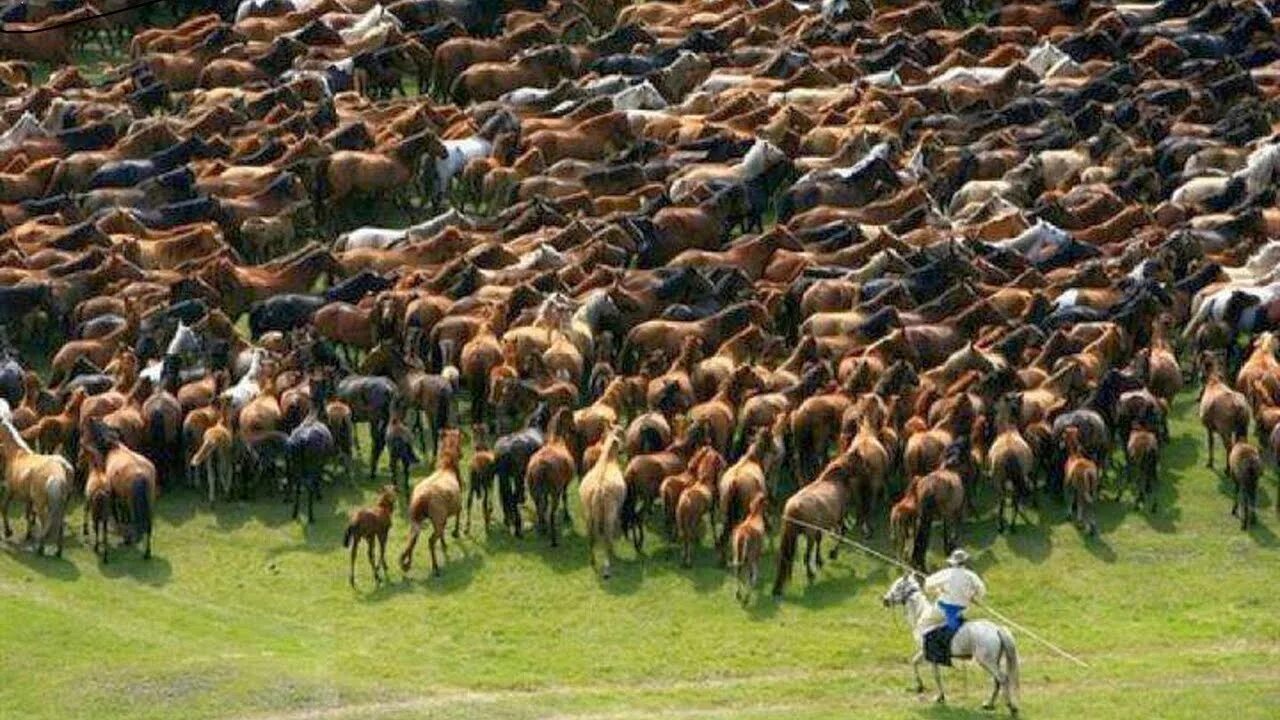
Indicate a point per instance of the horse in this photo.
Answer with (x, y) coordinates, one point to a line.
(550, 470)
(748, 543)
(1082, 477)
(1223, 411)
(436, 498)
(983, 641)
(214, 454)
(1244, 466)
(1142, 459)
(369, 524)
(308, 448)
(602, 492)
(43, 482)
(480, 483)
(131, 479)
(821, 506)
(1010, 463)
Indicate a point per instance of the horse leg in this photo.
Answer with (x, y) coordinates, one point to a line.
(808, 557)
(4, 511)
(313, 489)
(406, 556)
(351, 575)
(457, 522)
(937, 679)
(382, 555)
(995, 673)
(368, 543)
(1208, 434)
(915, 669)
(379, 442)
(554, 500)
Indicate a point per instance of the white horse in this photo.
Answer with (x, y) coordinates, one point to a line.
(983, 641)
(247, 388)
(25, 128)
(639, 97)
(457, 154)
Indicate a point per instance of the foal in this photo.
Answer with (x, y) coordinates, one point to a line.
(748, 542)
(1244, 464)
(1142, 457)
(368, 524)
(1082, 477)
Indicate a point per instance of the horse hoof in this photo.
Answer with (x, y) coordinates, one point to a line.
(940, 700)
(988, 706)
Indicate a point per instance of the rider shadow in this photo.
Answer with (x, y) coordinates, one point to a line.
(951, 712)
(51, 567)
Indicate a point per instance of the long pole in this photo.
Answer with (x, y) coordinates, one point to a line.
(885, 558)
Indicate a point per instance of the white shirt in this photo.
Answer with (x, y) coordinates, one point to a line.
(956, 586)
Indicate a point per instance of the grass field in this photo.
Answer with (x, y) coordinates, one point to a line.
(244, 613)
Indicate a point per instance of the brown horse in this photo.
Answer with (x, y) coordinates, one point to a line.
(744, 480)
(1011, 463)
(437, 498)
(748, 543)
(697, 500)
(368, 524)
(1223, 411)
(482, 475)
(131, 478)
(215, 451)
(550, 470)
(1082, 478)
(820, 506)
(1142, 460)
(1244, 465)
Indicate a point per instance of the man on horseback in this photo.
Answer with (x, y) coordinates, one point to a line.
(955, 587)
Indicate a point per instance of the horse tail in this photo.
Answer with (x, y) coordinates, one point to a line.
(350, 533)
(320, 183)
(155, 431)
(56, 491)
(1011, 468)
(920, 545)
(141, 504)
(786, 555)
(650, 440)
(1012, 666)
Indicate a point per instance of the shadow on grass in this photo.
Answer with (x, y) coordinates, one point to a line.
(128, 562)
(51, 567)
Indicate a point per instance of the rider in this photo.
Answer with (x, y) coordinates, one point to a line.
(956, 587)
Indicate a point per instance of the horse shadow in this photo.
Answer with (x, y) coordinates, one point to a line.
(53, 568)
(154, 571)
(456, 573)
(1098, 547)
(1263, 535)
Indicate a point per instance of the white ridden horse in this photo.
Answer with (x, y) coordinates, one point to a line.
(983, 641)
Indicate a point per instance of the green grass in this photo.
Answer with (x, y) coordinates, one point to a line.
(243, 612)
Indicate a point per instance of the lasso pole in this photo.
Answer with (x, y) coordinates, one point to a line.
(885, 558)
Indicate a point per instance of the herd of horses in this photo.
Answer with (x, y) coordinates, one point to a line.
(807, 268)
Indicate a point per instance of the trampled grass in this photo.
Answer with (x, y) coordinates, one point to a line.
(245, 613)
